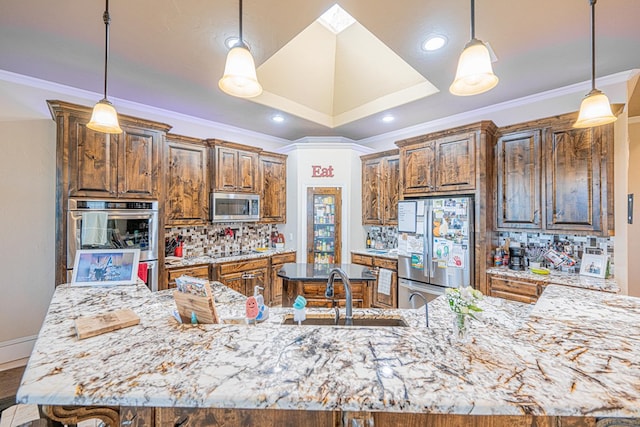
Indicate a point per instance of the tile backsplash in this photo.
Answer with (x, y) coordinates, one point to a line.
(222, 239)
(383, 237)
(572, 245)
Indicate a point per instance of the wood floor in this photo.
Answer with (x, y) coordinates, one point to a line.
(9, 381)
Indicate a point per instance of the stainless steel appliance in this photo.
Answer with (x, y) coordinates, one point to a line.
(516, 258)
(128, 225)
(438, 249)
(235, 207)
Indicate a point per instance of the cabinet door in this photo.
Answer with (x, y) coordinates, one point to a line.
(511, 289)
(226, 169)
(247, 169)
(456, 163)
(199, 271)
(391, 183)
(380, 299)
(273, 177)
(137, 163)
(257, 278)
(186, 184)
(418, 171)
(573, 179)
(235, 281)
(372, 173)
(518, 174)
(92, 161)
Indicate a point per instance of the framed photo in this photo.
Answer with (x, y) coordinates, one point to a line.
(594, 265)
(105, 267)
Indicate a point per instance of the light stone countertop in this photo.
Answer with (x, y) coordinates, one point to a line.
(560, 278)
(576, 352)
(380, 253)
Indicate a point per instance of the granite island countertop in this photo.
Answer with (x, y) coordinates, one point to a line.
(560, 278)
(575, 353)
(173, 262)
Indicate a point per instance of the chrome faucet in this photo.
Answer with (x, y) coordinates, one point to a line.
(426, 306)
(329, 293)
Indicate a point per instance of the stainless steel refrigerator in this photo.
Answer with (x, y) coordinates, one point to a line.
(435, 247)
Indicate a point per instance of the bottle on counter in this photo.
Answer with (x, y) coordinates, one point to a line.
(368, 240)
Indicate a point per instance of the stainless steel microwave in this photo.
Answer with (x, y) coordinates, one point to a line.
(225, 207)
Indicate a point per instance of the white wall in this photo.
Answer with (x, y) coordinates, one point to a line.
(27, 215)
(345, 160)
(633, 230)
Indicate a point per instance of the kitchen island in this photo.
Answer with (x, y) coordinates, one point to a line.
(309, 280)
(576, 353)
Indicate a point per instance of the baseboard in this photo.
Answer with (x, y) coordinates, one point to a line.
(16, 352)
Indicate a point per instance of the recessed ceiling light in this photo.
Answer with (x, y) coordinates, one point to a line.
(434, 42)
(388, 118)
(277, 118)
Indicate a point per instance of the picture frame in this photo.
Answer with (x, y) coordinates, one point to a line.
(105, 267)
(594, 265)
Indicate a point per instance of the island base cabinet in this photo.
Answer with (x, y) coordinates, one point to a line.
(445, 420)
(314, 294)
(205, 417)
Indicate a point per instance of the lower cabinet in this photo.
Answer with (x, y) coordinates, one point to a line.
(380, 299)
(244, 276)
(313, 291)
(199, 271)
(277, 261)
(509, 288)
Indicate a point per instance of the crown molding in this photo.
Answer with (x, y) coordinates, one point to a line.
(328, 143)
(484, 112)
(133, 108)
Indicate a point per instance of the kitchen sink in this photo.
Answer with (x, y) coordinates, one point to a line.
(328, 320)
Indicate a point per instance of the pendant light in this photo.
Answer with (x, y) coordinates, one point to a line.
(104, 117)
(239, 77)
(595, 109)
(475, 73)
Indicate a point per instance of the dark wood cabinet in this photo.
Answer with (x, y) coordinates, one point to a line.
(244, 276)
(95, 165)
(235, 167)
(277, 261)
(380, 188)
(186, 183)
(313, 291)
(519, 164)
(112, 166)
(379, 299)
(438, 164)
(273, 183)
(552, 177)
(519, 290)
(576, 185)
(199, 271)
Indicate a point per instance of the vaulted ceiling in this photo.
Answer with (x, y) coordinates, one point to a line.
(170, 54)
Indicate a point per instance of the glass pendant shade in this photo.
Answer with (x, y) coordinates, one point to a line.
(104, 118)
(595, 110)
(475, 73)
(239, 77)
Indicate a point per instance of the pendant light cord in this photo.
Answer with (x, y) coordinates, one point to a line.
(473, 19)
(107, 20)
(240, 21)
(593, 44)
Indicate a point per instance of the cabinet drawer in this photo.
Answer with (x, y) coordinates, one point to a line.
(513, 297)
(389, 264)
(312, 290)
(199, 271)
(250, 264)
(514, 286)
(283, 258)
(361, 259)
(327, 303)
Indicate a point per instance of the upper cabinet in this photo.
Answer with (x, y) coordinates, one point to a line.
(186, 183)
(100, 165)
(273, 182)
(553, 177)
(518, 179)
(235, 167)
(380, 186)
(441, 162)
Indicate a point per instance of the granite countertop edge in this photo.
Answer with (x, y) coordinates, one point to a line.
(205, 259)
(560, 278)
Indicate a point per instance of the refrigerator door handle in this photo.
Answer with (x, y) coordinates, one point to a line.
(428, 239)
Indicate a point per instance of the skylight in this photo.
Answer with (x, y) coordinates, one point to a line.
(336, 19)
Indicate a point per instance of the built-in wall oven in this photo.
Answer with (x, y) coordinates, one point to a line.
(115, 224)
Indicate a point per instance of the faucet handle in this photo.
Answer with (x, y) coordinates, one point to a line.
(329, 293)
